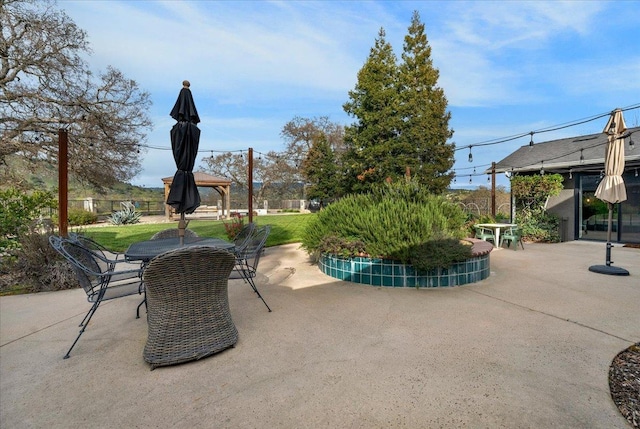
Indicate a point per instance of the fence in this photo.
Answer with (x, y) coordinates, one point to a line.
(482, 206)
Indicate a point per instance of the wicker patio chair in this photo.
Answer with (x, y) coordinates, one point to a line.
(188, 306)
(101, 278)
(248, 257)
(173, 233)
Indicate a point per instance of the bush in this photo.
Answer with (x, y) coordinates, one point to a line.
(78, 217)
(18, 211)
(389, 222)
(36, 267)
(233, 228)
(540, 226)
(439, 254)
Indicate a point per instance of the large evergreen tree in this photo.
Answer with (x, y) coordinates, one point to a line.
(373, 102)
(401, 118)
(425, 121)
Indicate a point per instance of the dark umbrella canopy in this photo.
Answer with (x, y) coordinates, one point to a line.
(185, 138)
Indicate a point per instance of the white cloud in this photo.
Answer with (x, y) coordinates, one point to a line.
(506, 66)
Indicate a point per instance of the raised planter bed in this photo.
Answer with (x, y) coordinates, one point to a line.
(390, 273)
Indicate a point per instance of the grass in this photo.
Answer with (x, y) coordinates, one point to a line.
(285, 229)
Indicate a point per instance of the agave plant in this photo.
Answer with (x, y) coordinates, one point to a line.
(128, 215)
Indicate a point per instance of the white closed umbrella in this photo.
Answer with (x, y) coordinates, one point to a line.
(611, 189)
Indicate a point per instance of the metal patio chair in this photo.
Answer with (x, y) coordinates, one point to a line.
(121, 264)
(512, 235)
(188, 305)
(242, 239)
(485, 234)
(100, 277)
(248, 257)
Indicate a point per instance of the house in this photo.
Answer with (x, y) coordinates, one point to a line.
(580, 160)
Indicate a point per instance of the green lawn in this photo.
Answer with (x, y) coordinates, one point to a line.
(284, 229)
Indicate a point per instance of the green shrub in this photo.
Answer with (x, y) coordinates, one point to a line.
(531, 194)
(18, 211)
(342, 247)
(77, 217)
(439, 254)
(389, 221)
(539, 226)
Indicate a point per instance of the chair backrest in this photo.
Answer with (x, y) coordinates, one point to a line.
(482, 230)
(92, 245)
(513, 230)
(188, 305)
(252, 251)
(173, 233)
(241, 240)
(90, 269)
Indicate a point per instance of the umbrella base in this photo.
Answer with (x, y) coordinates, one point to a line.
(608, 269)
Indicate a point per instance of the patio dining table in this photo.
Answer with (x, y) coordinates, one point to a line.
(496, 227)
(146, 250)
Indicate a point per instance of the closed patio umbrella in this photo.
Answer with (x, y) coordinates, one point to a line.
(611, 189)
(185, 138)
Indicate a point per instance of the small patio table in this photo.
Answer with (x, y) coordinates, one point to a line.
(496, 227)
(147, 250)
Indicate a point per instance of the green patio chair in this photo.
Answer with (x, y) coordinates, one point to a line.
(512, 235)
(485, 234)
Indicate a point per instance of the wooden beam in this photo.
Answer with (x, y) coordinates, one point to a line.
(63, 181)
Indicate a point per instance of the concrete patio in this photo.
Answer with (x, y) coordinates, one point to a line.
(529, 347)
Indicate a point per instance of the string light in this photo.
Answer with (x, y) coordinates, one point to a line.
(570, 173)
(470, 154)
(581, 156)
(542, 168)
(531, 141)
(470, 181)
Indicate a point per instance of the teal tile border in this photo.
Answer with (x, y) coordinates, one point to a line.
(389, 273)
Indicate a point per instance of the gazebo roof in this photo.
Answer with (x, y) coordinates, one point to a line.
(203, 179)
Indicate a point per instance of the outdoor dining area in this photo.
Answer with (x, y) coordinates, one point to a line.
(182, 283)
(499, 233)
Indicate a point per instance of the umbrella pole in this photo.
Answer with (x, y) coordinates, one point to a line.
(608, 256)
(608, 269)
(181, 227)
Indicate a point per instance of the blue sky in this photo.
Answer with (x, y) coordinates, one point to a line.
(507, 67)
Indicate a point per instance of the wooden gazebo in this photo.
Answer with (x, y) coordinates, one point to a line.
(222, 187)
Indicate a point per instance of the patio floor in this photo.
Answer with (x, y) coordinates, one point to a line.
(529, 347)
